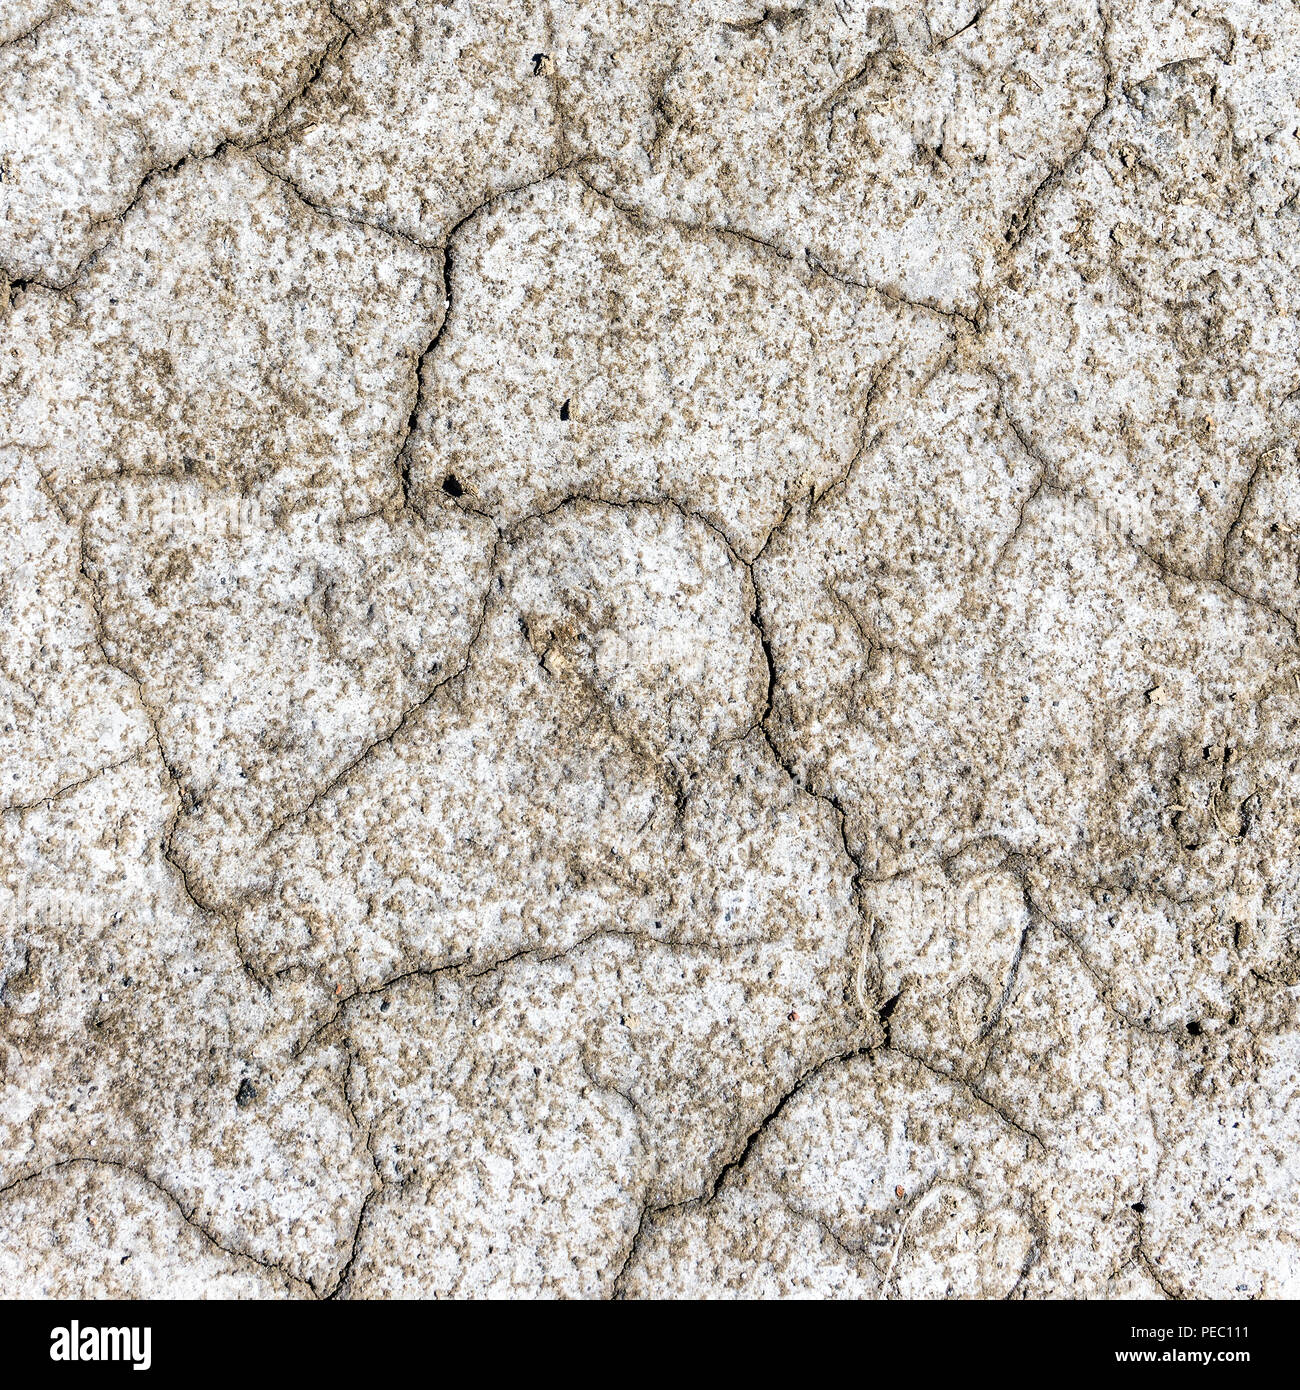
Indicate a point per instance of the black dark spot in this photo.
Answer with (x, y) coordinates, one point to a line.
(1195, 1028)
(246, 1094)
(886, 1013)
(538, 60)
(452, 487)
(1139, 1207)
(564, 411)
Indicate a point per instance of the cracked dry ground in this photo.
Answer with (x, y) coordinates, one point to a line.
(649, 649)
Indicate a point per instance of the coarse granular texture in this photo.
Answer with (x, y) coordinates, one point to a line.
(649, 649)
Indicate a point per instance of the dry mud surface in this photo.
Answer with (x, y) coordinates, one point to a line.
(649, 649)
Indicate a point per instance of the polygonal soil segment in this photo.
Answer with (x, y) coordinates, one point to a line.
(643, 361)
(229, 334)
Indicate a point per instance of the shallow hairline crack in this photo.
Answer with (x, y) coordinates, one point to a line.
(407, 715)
(376, 1188)
(505, 541)
(187, 1214)
(314, 66)
(20, 808)
(354, 1252)
(426, 246)
(1156, 1273)
(651, 1212)
(470, 967)
(965, 1083)
(858, 877)
(1049, 482)
(1020, 222)
(153, 719)
(56, 11)
(813, 264)
(854, 1251)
